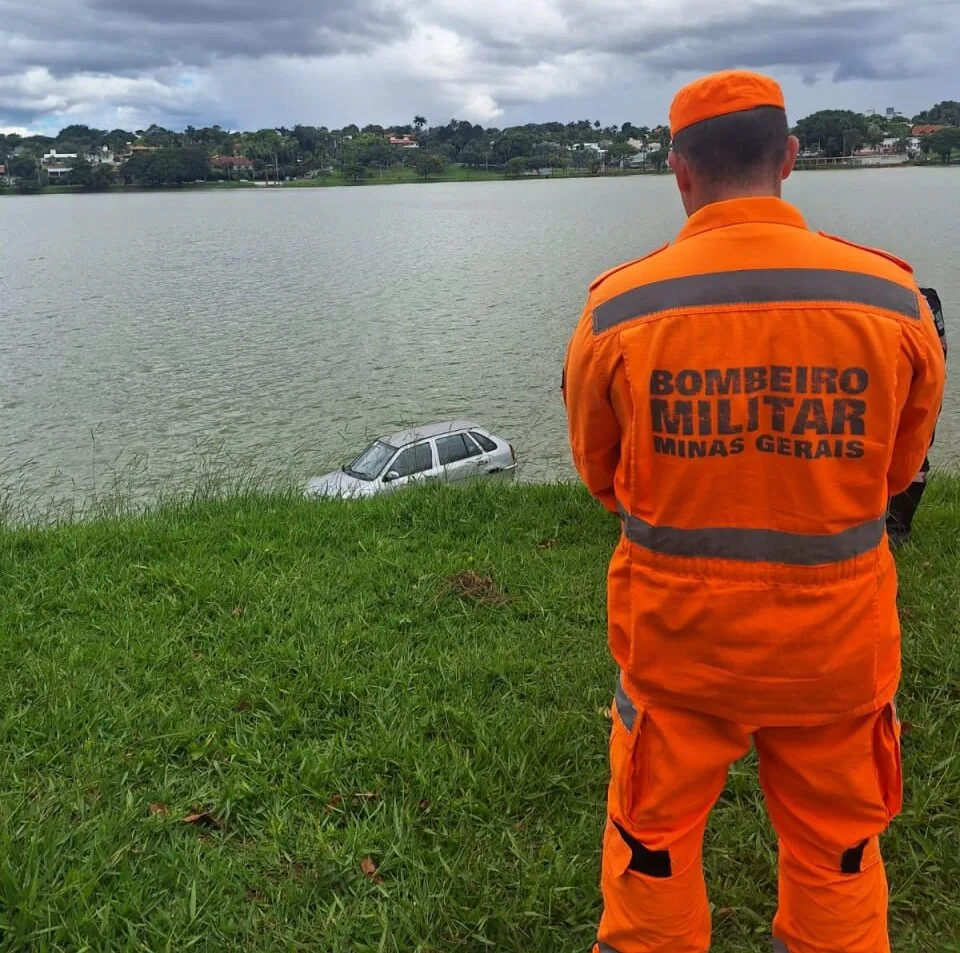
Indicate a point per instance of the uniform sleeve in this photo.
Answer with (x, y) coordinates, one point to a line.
(922, 373)
(592, 420)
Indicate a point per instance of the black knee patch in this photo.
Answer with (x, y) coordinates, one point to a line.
(652, 863)
(852, 859)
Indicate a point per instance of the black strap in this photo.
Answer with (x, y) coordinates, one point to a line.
(852, 859)
(652, 863)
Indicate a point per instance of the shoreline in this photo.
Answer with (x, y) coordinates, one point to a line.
(337, 181)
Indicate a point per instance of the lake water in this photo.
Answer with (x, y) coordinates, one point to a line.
(161, 335)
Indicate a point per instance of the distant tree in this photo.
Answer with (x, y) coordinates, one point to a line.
(874, 135)
(852, 140)
(101, 178)
(91, 178)
(23, 167)
(596, 124)
(657, 159)
(832, 130)
(373, 130)
(373, 151)
(944, 143)
(620, 150)
(429, 163)
(157, 136)
(353, 167)
(517, 166)
(946, 113)
(419, 122)
(170, 166)
(514, 142)
(81, 173)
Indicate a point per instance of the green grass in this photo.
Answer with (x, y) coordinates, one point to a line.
(309, 675)
(453, 173)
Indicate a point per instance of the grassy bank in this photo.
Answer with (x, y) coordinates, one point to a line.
(338, 180)
(387, 723)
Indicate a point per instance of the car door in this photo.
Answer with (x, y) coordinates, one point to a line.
(459, 457)
(412, 464)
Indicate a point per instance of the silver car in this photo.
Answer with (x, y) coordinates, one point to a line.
(451, 451)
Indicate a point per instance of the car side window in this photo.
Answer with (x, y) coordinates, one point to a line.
(485, 442)
(413, 460)
(454, 449)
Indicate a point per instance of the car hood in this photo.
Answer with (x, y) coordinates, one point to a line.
(338, 484)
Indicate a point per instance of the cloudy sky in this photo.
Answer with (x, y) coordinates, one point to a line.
(250, 63)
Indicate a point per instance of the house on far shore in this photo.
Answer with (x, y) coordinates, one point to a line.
(102, 156)
(404, 142)
(235, 165)
(58, 164)
(918, 131)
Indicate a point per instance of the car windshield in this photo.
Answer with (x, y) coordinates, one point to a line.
(369, 465)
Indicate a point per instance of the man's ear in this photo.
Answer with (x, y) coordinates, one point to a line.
(681, 169)
(793, 150)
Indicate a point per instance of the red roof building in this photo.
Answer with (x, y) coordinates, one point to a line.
(926, 130)
(236, 163)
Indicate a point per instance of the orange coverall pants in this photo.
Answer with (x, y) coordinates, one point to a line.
(830, 791)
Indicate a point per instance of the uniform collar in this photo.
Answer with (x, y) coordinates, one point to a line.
(763, 209)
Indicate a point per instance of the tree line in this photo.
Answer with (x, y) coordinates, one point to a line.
(834, 133)
(169, 157)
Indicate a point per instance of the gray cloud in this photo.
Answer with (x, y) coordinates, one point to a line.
(129, 36)
(237, 61)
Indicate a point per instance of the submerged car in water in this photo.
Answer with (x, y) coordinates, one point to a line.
(452, 451)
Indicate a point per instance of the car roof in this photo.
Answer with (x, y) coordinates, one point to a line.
(424, 432)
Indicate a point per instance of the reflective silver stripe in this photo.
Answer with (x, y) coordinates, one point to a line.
(779, 946)
(759, 286)
(625, 707)
(756, 545)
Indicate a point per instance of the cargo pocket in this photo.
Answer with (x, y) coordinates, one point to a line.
(626, 773)
(886, 750)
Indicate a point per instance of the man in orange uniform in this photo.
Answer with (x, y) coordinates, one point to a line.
(747, 399)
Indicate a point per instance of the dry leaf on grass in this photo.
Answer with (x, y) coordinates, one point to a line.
(243, 705)
(159, 809)
(202, 819)
(548, 543)
(237, 612)
(369, 868)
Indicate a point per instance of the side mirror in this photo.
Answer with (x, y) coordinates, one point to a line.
(391, 476)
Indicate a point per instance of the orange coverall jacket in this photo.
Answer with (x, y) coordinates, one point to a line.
(747, 399)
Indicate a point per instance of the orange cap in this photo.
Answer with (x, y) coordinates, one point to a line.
(720, 94)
